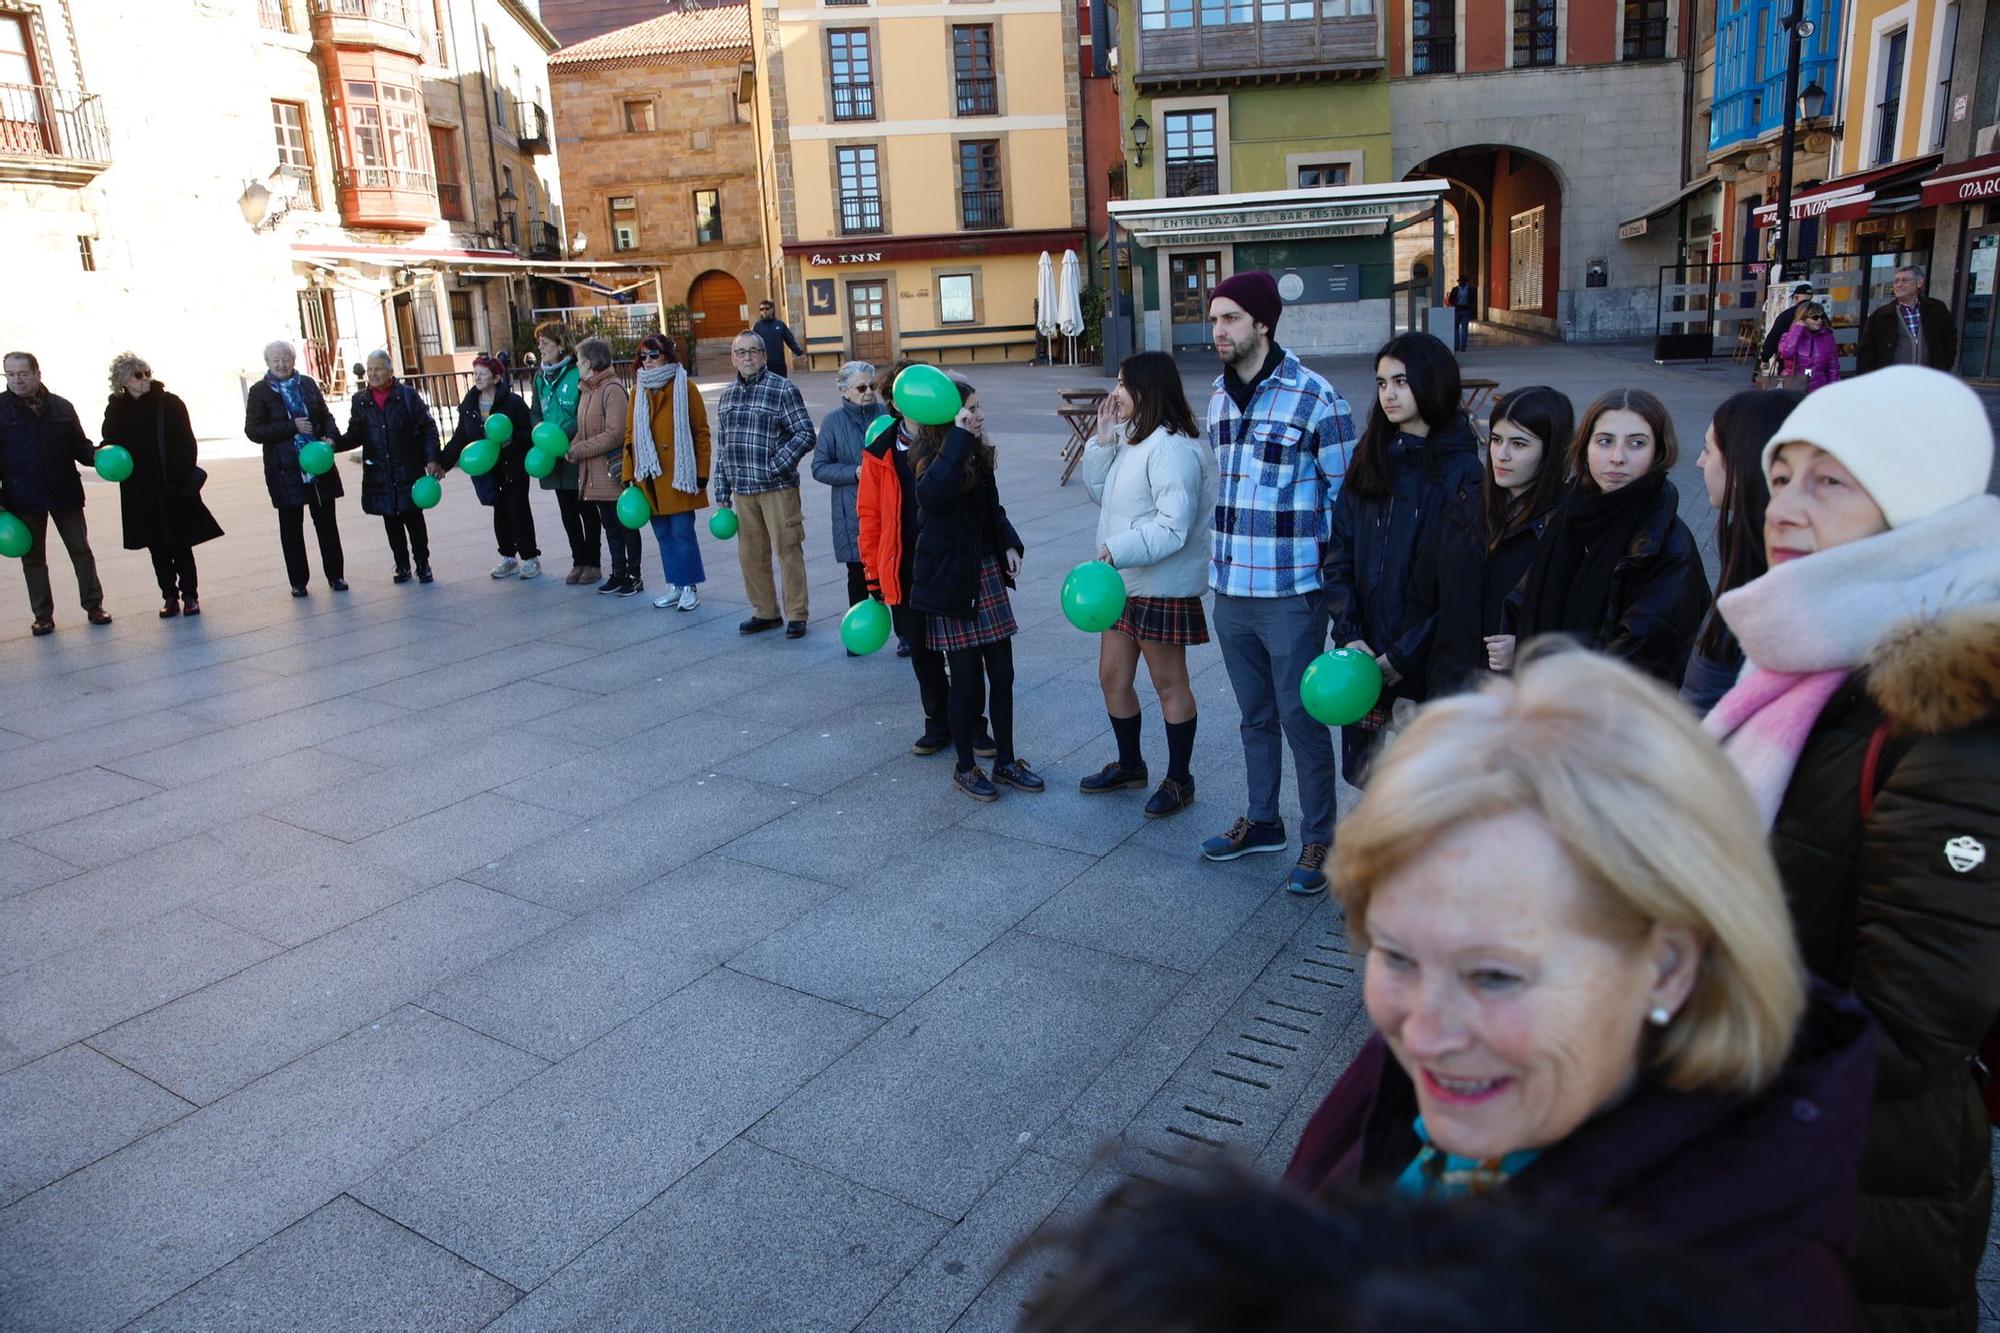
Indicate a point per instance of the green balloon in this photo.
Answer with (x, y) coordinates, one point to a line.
(15, 539)
(722, 524)
(499, 428)
(877, 428)
(1339, 687)
(549, 438)
(539, 463)
(633, 508)
(316, 458)
(479, 457)
(114, 463)
(426, 492)
(865, 627)
(927, 396)
(1093, 597)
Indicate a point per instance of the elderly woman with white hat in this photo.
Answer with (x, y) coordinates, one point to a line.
(1867, 725)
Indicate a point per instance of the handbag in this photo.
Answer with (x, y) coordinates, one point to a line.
(1796, 383)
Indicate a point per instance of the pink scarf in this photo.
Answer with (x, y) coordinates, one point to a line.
(1763, 724)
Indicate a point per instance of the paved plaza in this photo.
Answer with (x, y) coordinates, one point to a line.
(497, 953)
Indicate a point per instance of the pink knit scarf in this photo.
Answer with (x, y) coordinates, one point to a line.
(1763, 724)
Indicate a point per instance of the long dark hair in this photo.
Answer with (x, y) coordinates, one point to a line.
(1666, 447)
(1744, 424)
(1434, 382)
(927, 441)
(1153, 382)
(1548, 415)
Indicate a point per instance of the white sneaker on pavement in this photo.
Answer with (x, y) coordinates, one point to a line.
(531, 569)
(505, 569)
(690, 598)
(671, 597)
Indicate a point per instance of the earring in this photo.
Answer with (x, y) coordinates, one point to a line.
(1659, 1017)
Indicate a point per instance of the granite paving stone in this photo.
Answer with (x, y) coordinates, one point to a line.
(437, 684)
(447, 726)
(824, 754)
(340, 1266)
(97, 707)
(39, 760)
(904, 803)
(1150, 905)
(477, 833)
(71, 796)
(430, 784)
(66, 1110)
(102, 1246)
(215, 1040)
(291, 692)
(312, 897)
(749, 1240)
(219, 751)
(1000, 1304)
(715, 905)
(639, 761)
(22, 868)
(536, 1178)
(83, 990)
(937, 1104)
(881, 946)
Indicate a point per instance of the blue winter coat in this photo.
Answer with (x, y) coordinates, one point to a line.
(396, 443)
(837, 463)
(39, 453)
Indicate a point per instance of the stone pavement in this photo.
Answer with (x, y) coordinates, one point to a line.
(503, 953)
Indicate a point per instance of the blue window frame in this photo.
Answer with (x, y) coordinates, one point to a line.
(1750, 65)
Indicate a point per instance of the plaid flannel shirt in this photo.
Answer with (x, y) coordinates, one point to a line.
(764, 433)
(1282, 464)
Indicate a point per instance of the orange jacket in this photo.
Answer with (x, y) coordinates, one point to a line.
(878, 503)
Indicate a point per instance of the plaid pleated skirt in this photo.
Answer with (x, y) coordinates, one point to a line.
(993, 618)
(1178, 620)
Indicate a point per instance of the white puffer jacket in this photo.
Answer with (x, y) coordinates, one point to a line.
(1158, 499)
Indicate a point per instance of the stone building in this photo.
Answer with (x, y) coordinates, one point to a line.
(659, 161)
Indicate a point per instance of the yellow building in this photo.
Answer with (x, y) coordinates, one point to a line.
(919, 158)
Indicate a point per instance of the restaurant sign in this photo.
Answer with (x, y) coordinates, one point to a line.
(1964, 182)
(1303, 215)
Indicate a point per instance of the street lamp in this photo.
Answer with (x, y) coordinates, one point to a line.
(1142, 134)
(1812, 101)
(1797, 29)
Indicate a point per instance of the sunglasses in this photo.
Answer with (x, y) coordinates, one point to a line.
(652, 354)
(142, 374)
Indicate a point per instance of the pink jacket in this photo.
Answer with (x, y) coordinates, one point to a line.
(1801, 351)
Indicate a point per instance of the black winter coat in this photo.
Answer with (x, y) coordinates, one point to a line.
(396, 444)
(1659, 595)
(1473, 589)
(959, 527)
(1380, 564)
(510, 470)
(268, 421)
(1876, 345)
(158, 501)
(1884, 908)
(39, 453)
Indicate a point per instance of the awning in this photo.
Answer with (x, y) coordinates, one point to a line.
(946, 245)
(1845, 198)
(1280, 215)
(1634, 227)
(1963, 182)
(500, 262)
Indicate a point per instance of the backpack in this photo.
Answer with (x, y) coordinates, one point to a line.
(1987, 1059)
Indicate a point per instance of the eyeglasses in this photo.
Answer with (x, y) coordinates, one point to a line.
(652, 354)
(746, 351)
(765, 309)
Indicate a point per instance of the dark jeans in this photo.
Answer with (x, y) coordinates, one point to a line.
(623, 541)
(974, 670)
(175, 565)
(1461, 328)
(933, 683)
(1267, 643)
(292, 539)
(581, 521)
(408, 535)
(513, 520)
(857, 583)
(35, 564)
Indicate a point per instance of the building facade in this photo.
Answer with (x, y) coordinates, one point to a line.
(1962, 190)
(1231, 98)
(659, 162)
(918, 160)
(1562, 129)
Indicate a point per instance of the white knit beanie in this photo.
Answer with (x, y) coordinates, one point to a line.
(1916, 439)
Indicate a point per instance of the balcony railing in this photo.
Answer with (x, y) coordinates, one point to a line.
(982, 210)
(1434, 55)
(381, 11)
(544, 241)
(1257, 47)
(854, 101)
(385, 25)
(277, 15)
(1646, 39)
(533, 123)
(451, 201)
(1190, 176)
(50, 133)
(860, 214)
(978, 95)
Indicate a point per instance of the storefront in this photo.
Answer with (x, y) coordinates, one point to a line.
(1970, 188)
(942, 299)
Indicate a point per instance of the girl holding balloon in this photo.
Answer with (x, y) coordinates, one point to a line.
(1414, 484)
(1155, 478)
(967, 555)
(505, 486)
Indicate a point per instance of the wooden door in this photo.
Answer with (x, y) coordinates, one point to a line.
(868, 322)
(718, 298)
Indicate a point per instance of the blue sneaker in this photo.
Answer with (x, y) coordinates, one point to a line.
(1309, 875)
(1244, 838)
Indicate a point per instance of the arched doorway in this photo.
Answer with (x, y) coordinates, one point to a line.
(1509, 206)
(718, 301)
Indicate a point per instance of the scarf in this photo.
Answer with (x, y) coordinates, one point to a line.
(1436, 1174)
(295, 402)
(1569, 586)
(646, 450)
(1808, 624)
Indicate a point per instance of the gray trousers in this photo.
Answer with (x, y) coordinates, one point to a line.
(75, 536)
(1267, 643)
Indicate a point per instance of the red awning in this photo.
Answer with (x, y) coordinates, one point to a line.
(1963, 182)
(1846, 198)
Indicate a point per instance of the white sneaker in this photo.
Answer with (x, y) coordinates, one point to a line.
(505, 569)
(530, 569)
(690, 598)
(673, 596)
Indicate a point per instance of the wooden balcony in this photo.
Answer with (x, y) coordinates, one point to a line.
(51, 136)
(387, 197)
(381, 25)
(1213, 55)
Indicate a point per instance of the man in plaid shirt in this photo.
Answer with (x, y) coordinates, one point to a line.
(1282, 436)
(764, 433)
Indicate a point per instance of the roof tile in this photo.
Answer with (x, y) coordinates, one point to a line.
(669, 39)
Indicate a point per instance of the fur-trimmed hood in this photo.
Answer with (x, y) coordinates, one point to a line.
(1939, 674)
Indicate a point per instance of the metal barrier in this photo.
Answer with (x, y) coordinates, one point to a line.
(1703, 309)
